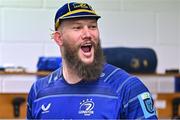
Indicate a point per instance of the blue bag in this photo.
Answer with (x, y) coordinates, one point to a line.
(48, 63)
(133, 60)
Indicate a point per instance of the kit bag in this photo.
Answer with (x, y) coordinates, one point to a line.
(133, 60)
(48, 63)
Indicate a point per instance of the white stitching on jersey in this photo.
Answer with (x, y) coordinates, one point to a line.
(131, 100)
(77, 95)
(34, 87)
(111, 74)
(120, 87)
(50, 78)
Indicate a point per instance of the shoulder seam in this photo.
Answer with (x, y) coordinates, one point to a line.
(114, 71)
(127, 79)
(131, 100)
(35, 91)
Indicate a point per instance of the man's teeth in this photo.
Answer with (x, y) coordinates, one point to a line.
(87, 45)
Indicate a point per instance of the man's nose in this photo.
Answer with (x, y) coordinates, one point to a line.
(86, 33)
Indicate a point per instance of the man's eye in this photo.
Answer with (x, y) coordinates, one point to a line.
(77, 27)
(93, 26)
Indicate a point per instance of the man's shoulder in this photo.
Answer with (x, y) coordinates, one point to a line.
(44, 82)
(113, 73)
(118, 78)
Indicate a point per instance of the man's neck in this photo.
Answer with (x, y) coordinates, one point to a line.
(70, 75)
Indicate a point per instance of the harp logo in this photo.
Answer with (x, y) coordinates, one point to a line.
(147, 104)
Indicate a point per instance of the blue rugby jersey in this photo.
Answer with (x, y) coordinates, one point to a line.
(115, 95)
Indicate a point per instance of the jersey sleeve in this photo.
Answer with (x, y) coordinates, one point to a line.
(137, 101)
(30, 99)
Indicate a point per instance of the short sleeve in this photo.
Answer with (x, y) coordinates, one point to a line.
(137, 101)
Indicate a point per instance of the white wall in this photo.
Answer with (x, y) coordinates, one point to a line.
(25, 28)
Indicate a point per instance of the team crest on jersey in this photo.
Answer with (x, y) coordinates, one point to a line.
(146, 103)
(86, 107)
(149, 105)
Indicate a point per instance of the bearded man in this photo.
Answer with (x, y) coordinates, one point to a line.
(85, 86)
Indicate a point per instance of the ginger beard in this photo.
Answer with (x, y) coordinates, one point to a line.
(85, 71)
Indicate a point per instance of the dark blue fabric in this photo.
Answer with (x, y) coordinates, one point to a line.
(177, 84)
(48, 63)
(133, 60)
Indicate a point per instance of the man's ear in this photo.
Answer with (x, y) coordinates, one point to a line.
(58, 38)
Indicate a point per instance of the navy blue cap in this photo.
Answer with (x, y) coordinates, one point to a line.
(74, 10)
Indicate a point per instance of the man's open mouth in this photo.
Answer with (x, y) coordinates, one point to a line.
(86, 47)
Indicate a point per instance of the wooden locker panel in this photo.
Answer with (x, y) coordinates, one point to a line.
(6, 106)
(167, 98)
